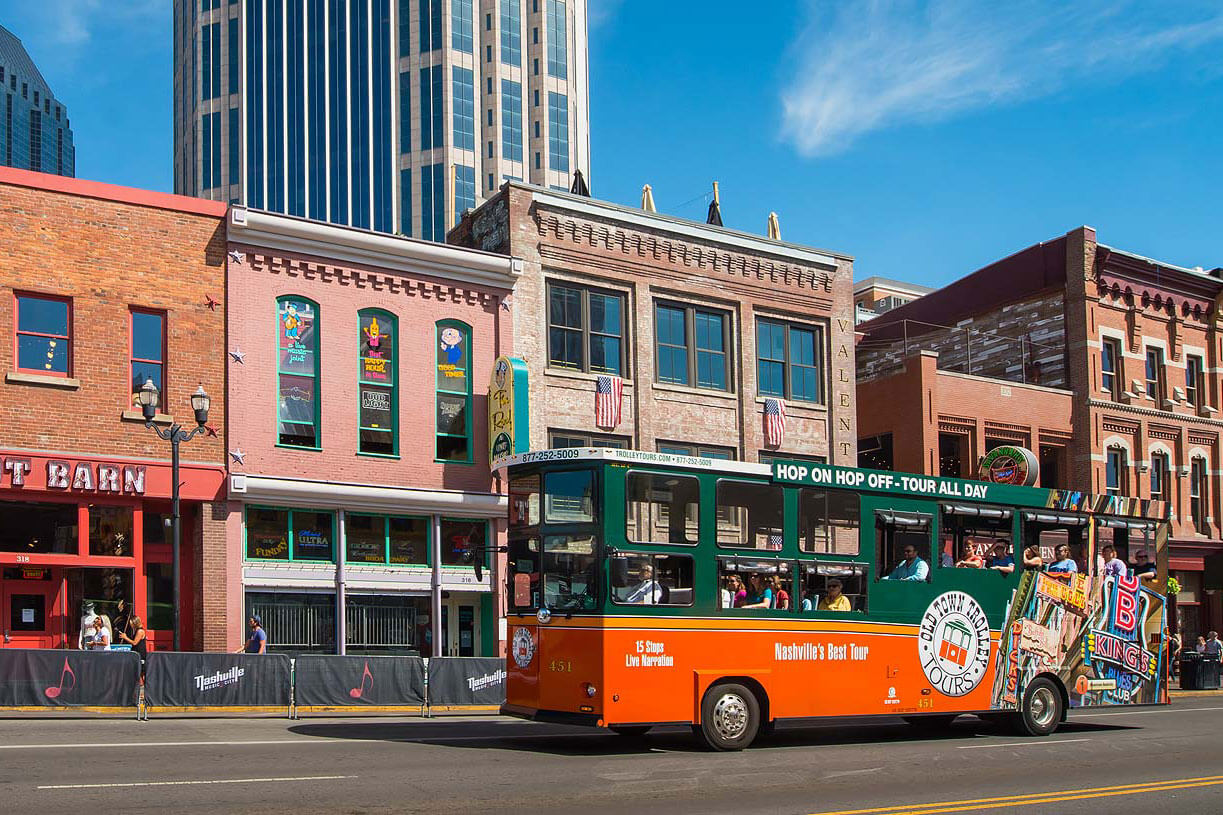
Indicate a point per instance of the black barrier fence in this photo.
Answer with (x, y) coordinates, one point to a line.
(175, 679)
(466, 681)
(45, 678)
(335, 681)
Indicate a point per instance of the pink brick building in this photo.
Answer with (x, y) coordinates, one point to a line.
(359, 482)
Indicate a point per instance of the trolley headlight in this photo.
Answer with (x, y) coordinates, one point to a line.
(589, 688)
(543, 615)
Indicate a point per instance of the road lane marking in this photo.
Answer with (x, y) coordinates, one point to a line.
(1018, 744)
(162, 744)
(192, 783)
(1030, 799)
(1146, 712)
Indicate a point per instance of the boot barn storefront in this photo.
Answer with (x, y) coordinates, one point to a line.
(78, 529)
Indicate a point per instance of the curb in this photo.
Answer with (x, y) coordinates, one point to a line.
(1187, 694)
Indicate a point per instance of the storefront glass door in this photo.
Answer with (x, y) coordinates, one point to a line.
(460, 628)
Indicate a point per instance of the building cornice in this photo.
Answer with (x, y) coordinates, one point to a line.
(284, 233)
(1185, 421)
(682, 229)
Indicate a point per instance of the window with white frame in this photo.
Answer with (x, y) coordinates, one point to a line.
(1197, 494)
(1110, 364)
(1114, 471)
(1159, 476)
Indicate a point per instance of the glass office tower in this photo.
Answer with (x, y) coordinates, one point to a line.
(393, 115)
(34, 131)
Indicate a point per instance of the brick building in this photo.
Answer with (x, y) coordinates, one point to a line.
(358, 367)
(104, 288)
(1107, 364)
(699, 323)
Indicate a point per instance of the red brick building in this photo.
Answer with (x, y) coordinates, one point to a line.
(105, 287)
(700, 323)
(1106, 364)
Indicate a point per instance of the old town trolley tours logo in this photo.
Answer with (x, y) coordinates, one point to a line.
(953, 643)
(522, 647)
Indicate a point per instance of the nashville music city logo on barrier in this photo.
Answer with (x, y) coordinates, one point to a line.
(953, 643)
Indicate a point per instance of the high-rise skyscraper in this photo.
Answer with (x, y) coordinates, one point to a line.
(34, 131)
(394, 115)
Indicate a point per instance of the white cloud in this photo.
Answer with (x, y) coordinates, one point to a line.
(869, 64)
(600, 12)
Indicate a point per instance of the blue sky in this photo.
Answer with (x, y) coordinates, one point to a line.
(924, 138)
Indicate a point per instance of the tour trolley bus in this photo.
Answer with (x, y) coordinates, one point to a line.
(649, 589)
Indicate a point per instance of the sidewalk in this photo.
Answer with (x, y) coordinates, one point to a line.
(1177, 693)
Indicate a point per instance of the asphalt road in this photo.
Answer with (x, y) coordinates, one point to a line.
(1166, 760)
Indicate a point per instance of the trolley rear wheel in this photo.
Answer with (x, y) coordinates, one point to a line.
(730, 717)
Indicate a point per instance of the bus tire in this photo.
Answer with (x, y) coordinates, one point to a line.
(631, 731)
(730, 717)
(1040, 712)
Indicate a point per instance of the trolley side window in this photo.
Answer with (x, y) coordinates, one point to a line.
(1059, 537)
(828, 521)
(748, 583)
(902, 542)
(524, 501)
(651, 580)
(749, 514)
(661, 508)
(832, 586)
(524, 569)
(972, 537)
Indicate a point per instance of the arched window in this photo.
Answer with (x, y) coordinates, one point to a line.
(453, 349)
(377, 378)
(297, 402)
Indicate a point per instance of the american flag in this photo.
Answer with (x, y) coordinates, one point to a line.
(608, 391)
(774, 421)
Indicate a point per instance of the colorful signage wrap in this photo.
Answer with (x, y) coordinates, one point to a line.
(508, 413)
(1010, 465)
(1100, 635)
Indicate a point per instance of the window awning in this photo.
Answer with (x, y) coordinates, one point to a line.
(898, 518)
(1127, 523)
(977, 512)
(1064, 518)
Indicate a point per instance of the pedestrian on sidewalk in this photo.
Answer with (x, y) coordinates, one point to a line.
(258, 641)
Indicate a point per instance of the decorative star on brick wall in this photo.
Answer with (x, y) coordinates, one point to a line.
(238, 456)
(211, 303)
(236, 256)
(239, 356)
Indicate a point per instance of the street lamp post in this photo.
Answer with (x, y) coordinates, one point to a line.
(149, 398)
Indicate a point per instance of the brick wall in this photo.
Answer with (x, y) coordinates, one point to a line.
(1003, 343)
(650, 261)
(109, 249)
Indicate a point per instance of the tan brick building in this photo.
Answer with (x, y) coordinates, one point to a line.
(105, 287)
(1106, 363)
(701, 324)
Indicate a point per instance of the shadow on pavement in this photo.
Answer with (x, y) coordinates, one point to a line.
(577, 741)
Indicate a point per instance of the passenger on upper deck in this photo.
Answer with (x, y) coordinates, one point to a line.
(1143, 568)
(1032, 558)
(781, 597)
(1001, 560)
(1112, 564)
(970, 559)
(1064, 562)
(734, 595)
(911, 568)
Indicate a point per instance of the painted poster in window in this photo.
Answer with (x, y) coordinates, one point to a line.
(409, 540)
(452, 415)
(267, 534)
(452, 359)
(296, 320)
(311, 536)
(296, 400)
(377, 349)
(375, 408)
(459, 538)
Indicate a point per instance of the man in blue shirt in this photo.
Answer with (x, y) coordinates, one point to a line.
(911, 568)
(1001, 560)
(258, 642)
(1064, 562)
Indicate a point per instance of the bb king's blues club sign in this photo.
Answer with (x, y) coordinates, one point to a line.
(1100, 634)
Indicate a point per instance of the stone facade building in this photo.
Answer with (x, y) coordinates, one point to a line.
(1105, 363)
(701, 325)
(105, 288)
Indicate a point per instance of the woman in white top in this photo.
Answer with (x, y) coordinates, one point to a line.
(99, 638)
